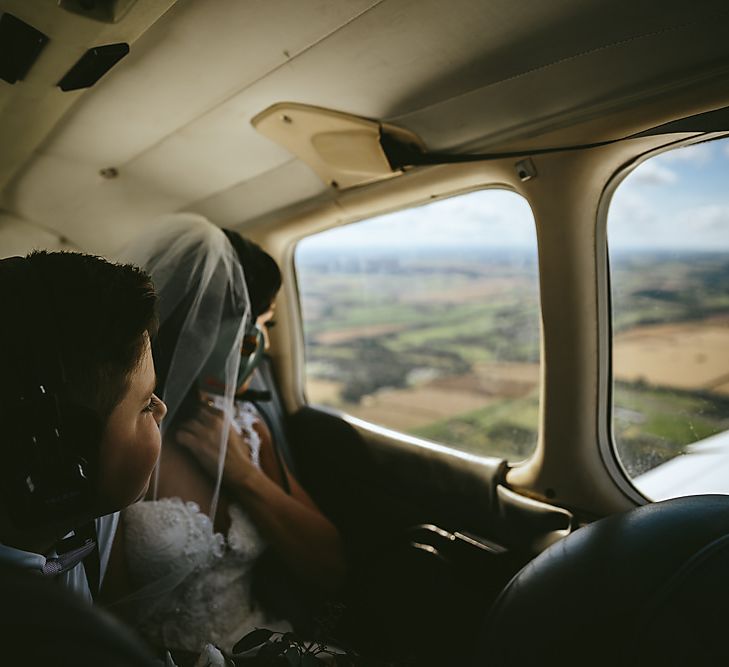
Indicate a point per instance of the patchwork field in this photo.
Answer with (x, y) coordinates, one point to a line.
(437, 400)
(685, 355)
(450, 350)
(345, 335)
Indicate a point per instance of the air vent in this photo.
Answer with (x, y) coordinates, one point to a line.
(20, 46)
(92, 66)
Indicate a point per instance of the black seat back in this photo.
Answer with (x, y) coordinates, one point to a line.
(647, 587)
(45, 624)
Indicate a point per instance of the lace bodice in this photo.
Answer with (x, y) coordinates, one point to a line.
(194, 585)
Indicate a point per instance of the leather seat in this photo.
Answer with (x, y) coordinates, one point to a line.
(646, 587)
(46, 624)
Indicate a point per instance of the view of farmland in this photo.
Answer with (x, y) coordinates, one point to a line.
(427, 320)
(445, 347)
(449, 350)
(668, 229)
(671, 353)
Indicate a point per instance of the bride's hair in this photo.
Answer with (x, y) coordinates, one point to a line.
(263, 281)
(263, 277)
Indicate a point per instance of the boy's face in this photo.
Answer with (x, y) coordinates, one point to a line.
(131, 442)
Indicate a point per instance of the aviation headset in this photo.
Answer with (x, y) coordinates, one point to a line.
(212, 376)
(48, 443)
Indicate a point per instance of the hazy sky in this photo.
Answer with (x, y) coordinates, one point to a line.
(678, 199)
(485, 218)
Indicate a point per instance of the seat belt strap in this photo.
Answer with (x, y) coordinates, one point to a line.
(81, 547)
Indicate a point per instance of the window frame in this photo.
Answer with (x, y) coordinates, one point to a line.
(605, 409)
(381, 429)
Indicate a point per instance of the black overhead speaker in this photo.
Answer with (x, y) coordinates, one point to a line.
(20, 46)
(92, 66)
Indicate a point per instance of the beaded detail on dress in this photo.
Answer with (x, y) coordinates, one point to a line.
(244, 419)
(194, 584)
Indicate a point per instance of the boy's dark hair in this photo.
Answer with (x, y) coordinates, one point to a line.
(85, 311)
(263, 277)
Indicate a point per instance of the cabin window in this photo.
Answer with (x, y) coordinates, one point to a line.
(426, 321)
(668, 234)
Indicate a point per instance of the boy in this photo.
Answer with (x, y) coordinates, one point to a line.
(79, 422)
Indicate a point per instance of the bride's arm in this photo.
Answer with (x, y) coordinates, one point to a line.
(295, 527)
(303, 537)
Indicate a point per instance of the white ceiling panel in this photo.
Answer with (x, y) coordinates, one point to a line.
(30, 109)
(272, 191)
(209, 155)
(193, 59)
(19, 237)
(590, 83)
(174, 117)
(96, 214)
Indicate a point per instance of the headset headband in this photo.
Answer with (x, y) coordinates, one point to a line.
(47, 441)
(39, 361)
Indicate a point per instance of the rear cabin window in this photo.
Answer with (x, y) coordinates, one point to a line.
(426, 321)
(668, 233)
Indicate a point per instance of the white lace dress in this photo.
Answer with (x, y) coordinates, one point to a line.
(195, 584)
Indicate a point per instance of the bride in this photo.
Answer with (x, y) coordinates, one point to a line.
(221, 496)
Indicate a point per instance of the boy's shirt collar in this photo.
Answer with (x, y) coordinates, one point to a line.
(74, 579)
(27, 560)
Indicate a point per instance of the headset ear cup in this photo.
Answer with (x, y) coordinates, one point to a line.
(82, 434)
(50, 444)
(52, 476)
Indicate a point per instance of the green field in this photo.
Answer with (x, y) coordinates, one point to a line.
(653, 424)
(505, 429)
(441, 318)
(654, 287)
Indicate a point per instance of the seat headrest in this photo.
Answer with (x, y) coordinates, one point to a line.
(647, 587)
(44, 623)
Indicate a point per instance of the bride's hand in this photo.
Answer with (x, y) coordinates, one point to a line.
(201, 436)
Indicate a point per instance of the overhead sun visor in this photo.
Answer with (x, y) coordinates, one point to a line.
(344, 150)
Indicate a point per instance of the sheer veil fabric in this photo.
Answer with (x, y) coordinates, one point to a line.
(203, 298)
(194, 586)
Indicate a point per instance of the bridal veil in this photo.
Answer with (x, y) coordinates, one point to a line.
(204, 317)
